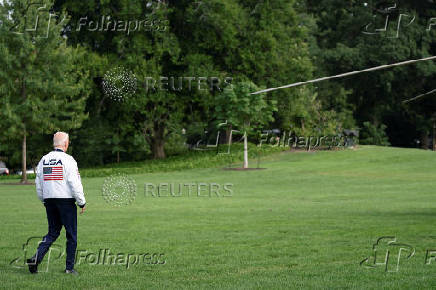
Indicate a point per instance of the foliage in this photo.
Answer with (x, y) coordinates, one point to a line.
(353, 35)
(246, 45)
(43, 83)
(374, 135)
(242, 109)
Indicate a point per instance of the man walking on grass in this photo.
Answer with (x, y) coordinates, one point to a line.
(59, 186)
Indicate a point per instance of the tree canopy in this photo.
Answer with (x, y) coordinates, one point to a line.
(127, 77)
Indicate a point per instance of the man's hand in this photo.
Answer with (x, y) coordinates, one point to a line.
(83, 210)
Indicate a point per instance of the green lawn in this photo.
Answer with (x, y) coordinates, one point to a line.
(307, 221)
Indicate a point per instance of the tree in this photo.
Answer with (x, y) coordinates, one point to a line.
(157, 106)
(42, 84)
(262, 41)
(244, 110)
(352, 35)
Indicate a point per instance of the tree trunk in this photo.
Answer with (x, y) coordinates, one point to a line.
(434, 135)
(24, 161)
(158, 142)
(24, 145)
(424, 140)
(245, 150)
(158, 149)
(228, 136)
(118, 156)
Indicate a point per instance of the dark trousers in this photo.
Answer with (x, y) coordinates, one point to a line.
(60, 212)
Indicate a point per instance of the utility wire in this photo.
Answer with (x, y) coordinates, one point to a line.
(346, 74)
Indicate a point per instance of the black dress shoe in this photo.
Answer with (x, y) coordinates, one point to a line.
(33, 266)
(72, 272)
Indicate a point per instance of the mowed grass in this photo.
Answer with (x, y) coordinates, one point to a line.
(307, 221)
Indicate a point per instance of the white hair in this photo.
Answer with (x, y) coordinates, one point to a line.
(60, 138)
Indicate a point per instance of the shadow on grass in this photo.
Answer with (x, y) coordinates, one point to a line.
(242, 169)
(421, 212)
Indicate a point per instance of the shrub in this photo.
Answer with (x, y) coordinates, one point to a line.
(374, 135)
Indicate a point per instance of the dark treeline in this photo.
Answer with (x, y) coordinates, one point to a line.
(132, 80)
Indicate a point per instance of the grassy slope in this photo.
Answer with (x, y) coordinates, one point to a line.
(307, 221)
(188, 160)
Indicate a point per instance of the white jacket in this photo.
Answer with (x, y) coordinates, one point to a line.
(57, 176)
